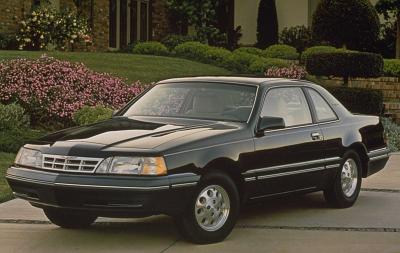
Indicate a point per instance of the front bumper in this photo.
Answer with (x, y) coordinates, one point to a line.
(103, 195)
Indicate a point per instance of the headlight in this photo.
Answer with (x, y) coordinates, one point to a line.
(29, 157)
(152, 166)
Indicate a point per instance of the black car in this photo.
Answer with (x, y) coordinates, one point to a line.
(198, 149)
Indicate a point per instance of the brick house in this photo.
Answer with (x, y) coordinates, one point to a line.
(116, 23)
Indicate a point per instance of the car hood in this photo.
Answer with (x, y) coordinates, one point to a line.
(123, 132)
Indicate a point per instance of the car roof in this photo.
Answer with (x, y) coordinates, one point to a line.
(238, 80)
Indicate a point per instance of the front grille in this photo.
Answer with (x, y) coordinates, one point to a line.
(70, 163)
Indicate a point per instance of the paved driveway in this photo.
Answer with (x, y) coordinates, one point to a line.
(300, 224)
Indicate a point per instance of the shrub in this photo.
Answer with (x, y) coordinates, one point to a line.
(391, 67)
(357, 100)
(241, 61)
(7, 41)
(13, 116)
(173, 40)
(249, 50)
(315, 50)
(345, 64)
(392, 131)
(282, 52)
(92, 114)
(218, 56)
(192, 50)
(53, 90)
(260, 65)
(292, 72)
(45, 27)
(354, 24)
(267, 24)
(298, 37)
(12, 140)
(150, 47)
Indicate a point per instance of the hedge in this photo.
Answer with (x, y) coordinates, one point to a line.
(262, 64)
(391, 67)
(151, 48)
(358, 100)
(315, 50)
(345, 64)
(92, 114)
(249, 50)
(281, 52)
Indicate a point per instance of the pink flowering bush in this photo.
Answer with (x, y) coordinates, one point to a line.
(50, 89)
(292, 72)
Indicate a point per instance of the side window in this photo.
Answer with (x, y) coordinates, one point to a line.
(289, 104)
(323, 110)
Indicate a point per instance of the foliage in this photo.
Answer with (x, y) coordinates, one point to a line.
(53, 90)
(218, 56)
(296, 36)
(392, 130)
(200, 14)
(91, 114)
(267, 24)
(353, 24)
(391, 9)
(391, 67)
(250, 50)
(260, 65)
(292, 72)
(386, 45)
(173, 40)
(345, 64)
(13, 116)
(45, 27)
(241, 61)
(7, 41)
(234, 36)
(150, 47)
(316, 50)
(12, 140)
(282, 52)
(192, 50)
(357, 100)
(6, 159)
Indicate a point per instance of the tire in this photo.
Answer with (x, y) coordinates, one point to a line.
(69, 219)
(204, 221)
(346, 187)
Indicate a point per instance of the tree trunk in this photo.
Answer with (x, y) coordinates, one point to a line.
(398, 37)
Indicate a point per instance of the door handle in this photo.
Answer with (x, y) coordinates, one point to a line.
(315, 136)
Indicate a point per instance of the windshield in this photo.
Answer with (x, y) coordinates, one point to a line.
(212, 101)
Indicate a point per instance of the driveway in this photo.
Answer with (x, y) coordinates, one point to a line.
(295, 224)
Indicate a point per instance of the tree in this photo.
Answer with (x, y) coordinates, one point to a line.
(391, 9)
(200, 14)
(350, 24)
(267, 24)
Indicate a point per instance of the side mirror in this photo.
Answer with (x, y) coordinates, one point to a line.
(270, 123)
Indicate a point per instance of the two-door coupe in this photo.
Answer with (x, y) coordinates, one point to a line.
(199, 148)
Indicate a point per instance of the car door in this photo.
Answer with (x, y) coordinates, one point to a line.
(288, 159)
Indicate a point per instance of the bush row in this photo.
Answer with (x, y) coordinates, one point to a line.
(344, 63)
(391, 67)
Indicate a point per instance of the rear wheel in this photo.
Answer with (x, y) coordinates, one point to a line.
(345, 189)
(212, 212)
(69, 219)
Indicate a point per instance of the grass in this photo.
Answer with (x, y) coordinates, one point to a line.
(6, 159)
(146, 68)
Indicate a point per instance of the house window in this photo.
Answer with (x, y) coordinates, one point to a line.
(129, 22)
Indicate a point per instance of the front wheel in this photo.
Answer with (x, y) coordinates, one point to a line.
(69, 219)
(346, 187)
(212, 213)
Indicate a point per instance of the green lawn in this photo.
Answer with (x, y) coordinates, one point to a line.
(133, 67)
(6, 159)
